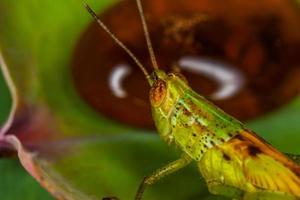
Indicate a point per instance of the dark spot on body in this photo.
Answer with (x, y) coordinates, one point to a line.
(253, 150)
(240, 137)
(277, 187)
(226, 157)
(194, 135)
(186, 112)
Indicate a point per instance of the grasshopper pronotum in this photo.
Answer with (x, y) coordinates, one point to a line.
(234, 161)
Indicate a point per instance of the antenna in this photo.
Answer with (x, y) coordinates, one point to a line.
(147, 36)
(121, 44)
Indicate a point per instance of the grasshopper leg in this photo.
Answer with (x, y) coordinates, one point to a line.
(268, 195)
(218, 188)
(162, 172)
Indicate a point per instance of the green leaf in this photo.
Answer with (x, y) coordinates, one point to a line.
(93, 157)
(5, 100)
(17, 184)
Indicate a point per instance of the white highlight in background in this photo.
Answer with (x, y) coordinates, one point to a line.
(229, 79)
(116, 79)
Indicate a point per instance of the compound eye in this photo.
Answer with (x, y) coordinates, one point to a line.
(158, 92)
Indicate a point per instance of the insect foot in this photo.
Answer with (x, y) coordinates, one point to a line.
(141, 188)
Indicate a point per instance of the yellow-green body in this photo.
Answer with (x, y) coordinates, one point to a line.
(233, 160)
(189, 120)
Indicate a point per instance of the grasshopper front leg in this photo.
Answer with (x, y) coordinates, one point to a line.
(162, 172)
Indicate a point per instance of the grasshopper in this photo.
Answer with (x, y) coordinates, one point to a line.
(233, 160)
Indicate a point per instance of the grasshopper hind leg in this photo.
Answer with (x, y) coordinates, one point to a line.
(237, 194)
(268, 195)
(218, 188)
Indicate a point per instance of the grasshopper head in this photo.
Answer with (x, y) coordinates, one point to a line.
(166, 87)
(166, 90)
(158, 91)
